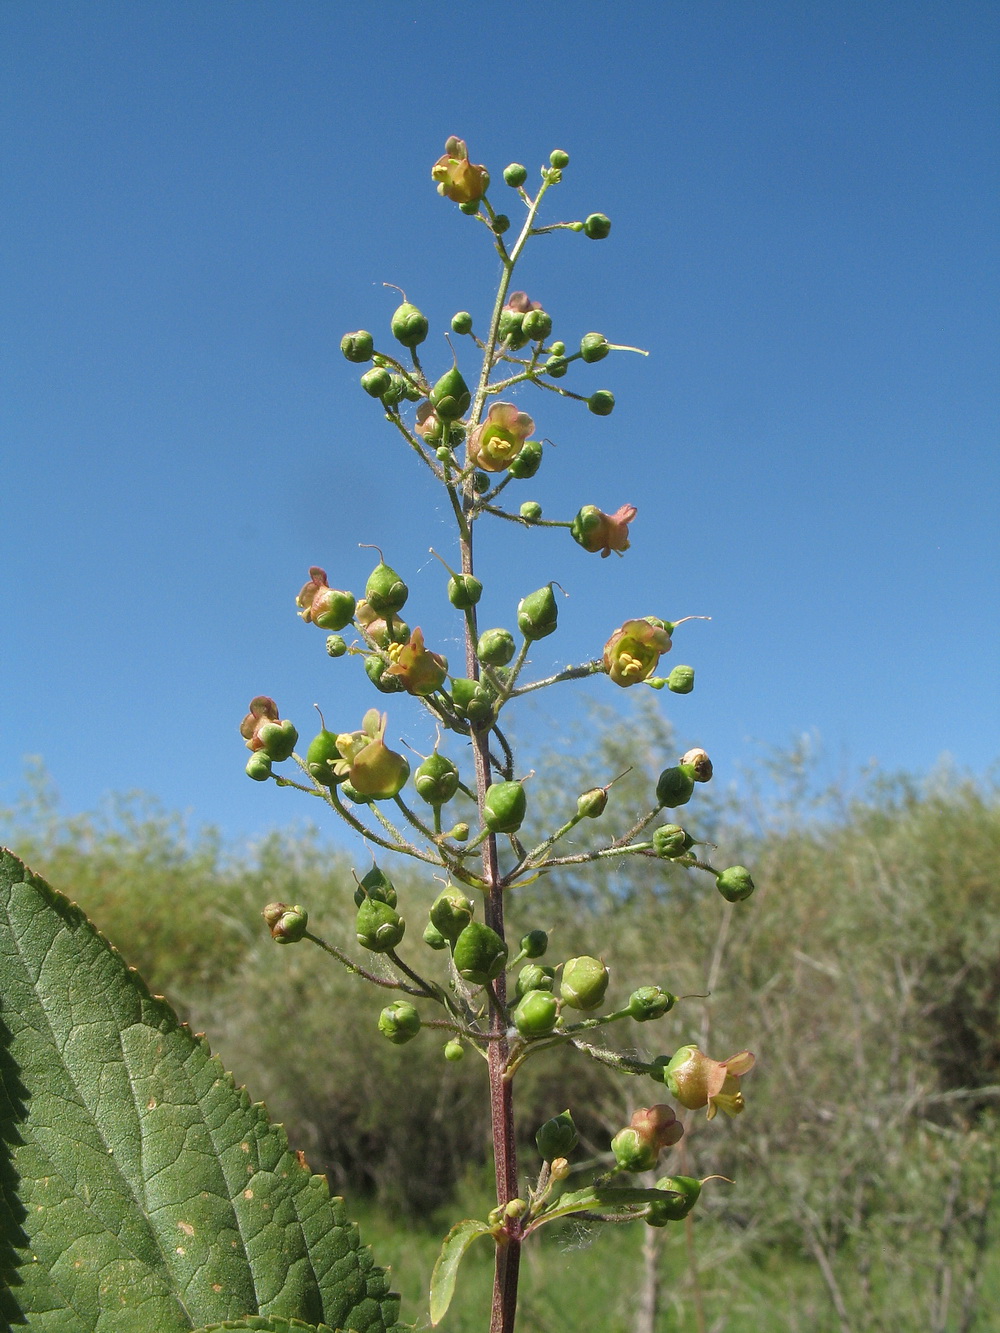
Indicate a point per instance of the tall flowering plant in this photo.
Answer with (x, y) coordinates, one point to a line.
(465, 823)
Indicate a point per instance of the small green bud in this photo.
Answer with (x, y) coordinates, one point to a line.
(649, 1002)
(335, 645)
(376, 382)
(433, 937)
(536, 1014)
(601, 403)
(593, 803)
(557, 1137)
(681, 680)
(597, 226)
(534, 976)
(556, 366)
(526, 463)
(450, 397)
(531, 510)
(464, 591)
(321, 756)
(481, 482)
(505, 807)
(632, 1151)
(351, 793)
(537, 614)
(375, 669)
(469, 206)
(675, 786)
(460, 833)
(277, 740)
(584, 982)
(558, 158)
(436, 780)
(396, 391)
(454, 1050)
(699, 763)
(357, 347)
(495, 647)
(399, 1021)
(286, 924)
(734, 884)
(379, 927)
(501, 223)
(670, 840)
(409, 326)
(594, 347)
(479, 954)
(461, 322)
(534, 944)
(552, 174)
(510, 328)
(451, 911)
(515, 175)
(687, 1190)
(472, 700)
(443, 453)
(376, 884)
(258, 766)
(537, 325)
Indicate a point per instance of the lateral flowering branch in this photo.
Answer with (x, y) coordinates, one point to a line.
(499, 1001)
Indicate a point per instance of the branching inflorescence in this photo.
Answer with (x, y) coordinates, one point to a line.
(476, 443)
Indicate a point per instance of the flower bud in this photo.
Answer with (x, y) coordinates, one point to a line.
(451, 911)
(537, 325)
(335, 645)
(557, 1137)
(472, 700)
(436, 780)
(461, 322)
(459, 833)
(385, 591)
(534, 976)
(515, 175)
(376, 382)
(675, 786)
(433, 938)
(509, 330)
(536, 1013)
(594, 347)
(469, 206)
(593, 803)
(527, 462)
(601, 403)
(500, 224)
(258, 767)
(409, 326)
(531, 511)
(687, 1190)
(681, 680)
(537, 614)
(495, 647)
(558, 348)
(322, 605)
(558, 158)
(597, 226)
(450, 397)
(700, 764)
(379, 927)
(277, 739)
(556, 366)
(376, 884)
(357, 347)
(454, 1050)
(734, 884)
(652, 1128)
(464, 590)
(649, 1002)
(479, 954)
(399, 1021)
(505, 807)
(534, 944)
(286, 924)
(670, 840)
(396, 392)
(553, 175)
(321, 757)
(584, 982)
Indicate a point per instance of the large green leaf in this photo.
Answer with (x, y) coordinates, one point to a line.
(140, 1190)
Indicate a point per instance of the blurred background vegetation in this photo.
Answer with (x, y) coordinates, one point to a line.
(864, 973)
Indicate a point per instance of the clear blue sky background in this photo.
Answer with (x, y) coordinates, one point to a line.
(199, 198)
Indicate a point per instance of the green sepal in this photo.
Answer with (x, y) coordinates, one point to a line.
(433, 938)
(277, 740)
(472, 699)
(534, 976)
(534, 944)
(734, 884)
(683, 1192)
(597, 226)
(445, 1273)
(375, 669)
(515, 175)
(376, 382)
(594, 347)
(557, 1137)
(601, 403)
(536, 325)
(670, 841)
(461, 322)
(584, 982)
(258, 766)
(650, 1002)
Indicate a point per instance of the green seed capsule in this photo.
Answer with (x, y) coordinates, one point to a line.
(332, 608)
(681, 680)
(396, 391)
(534, 976)
(632, 1151)
(594, 347)
(357, 347)
(505, 807)
(534, 944)
(515, 175)
(379, 927)
(451, 911)
(584, 982)
(258, 766)
(433, 937)
(409, 326)
(531, 511)
(320, 757)
(597, 226)
(536, 325)
(735, 884)
(536, 1014)
(385, 591)
(649, 1002)
(454, 1050)
(601, 403)
(472, 700)
(436, 780)
(464, 591)
(526, 463)
(670, 840)
(593, 803)
(286, 924)
(400, 1022)
(450, 397)
(557, 1137)
(376, 884)
(479, 954)
(557, 158)
(277, 740)
(376, 382)
(495, 647)
(556, 366)
(663, 1211)
(675, 786)
(461, 322)
(537, 614)
(335, 645)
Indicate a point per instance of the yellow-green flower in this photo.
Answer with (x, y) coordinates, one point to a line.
(596, 531)
(696, 1080)
(500, 438)
(632, 652)
(458, 178)
(421, 671)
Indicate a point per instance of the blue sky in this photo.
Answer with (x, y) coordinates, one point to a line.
(200, 198)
